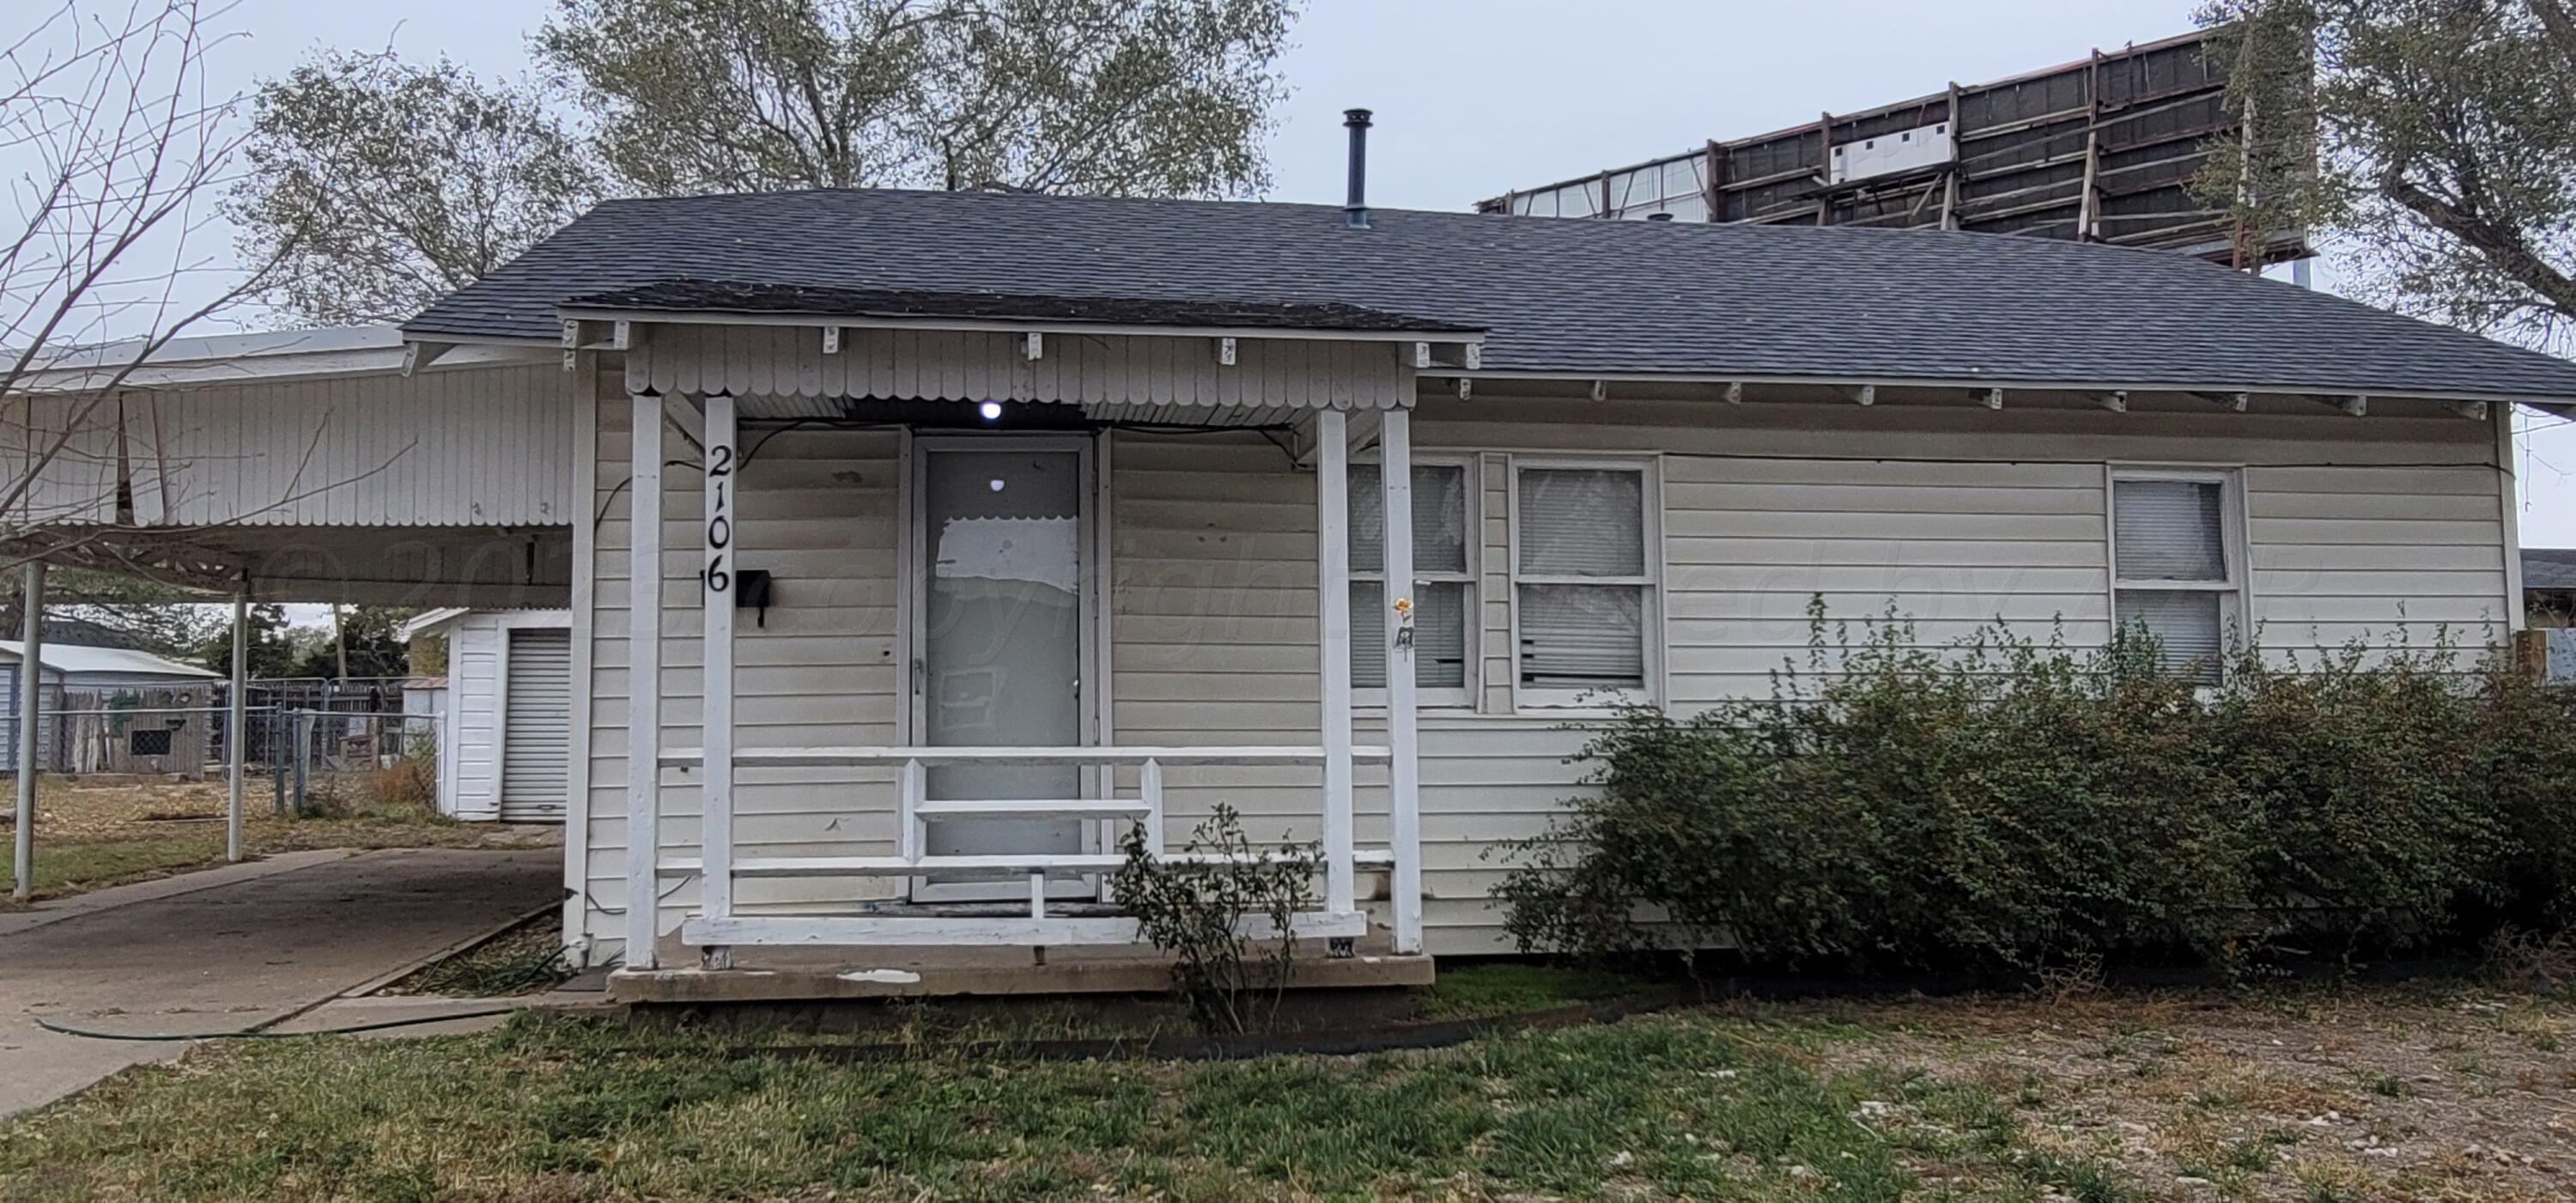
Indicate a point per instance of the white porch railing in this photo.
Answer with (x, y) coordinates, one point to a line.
(717, 926)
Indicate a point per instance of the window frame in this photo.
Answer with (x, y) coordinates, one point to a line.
(2235, 544)
(1650, 585)
(1463, 695)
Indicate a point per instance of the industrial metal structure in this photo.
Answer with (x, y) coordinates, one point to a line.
(2100, 150)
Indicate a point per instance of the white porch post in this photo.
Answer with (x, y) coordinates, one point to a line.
(715, 835)
(643, 676)
(1333, 605)
(1395, 481)
(31, 689)
(236, 718)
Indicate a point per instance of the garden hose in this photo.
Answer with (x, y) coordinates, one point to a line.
(257, 1034)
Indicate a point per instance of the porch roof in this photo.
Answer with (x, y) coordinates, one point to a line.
(1556, 296)
(754, 298)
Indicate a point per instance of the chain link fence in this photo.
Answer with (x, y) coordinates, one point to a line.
(314, 746)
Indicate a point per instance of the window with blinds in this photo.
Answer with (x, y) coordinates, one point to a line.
(2174, 573)
(1443, 583)
(1582, 581)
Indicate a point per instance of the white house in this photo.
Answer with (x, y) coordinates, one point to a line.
(1024, 518)
(505, 741)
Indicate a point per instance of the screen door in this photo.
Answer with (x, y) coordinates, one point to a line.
(1003, 540)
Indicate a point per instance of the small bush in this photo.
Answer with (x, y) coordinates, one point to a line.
(2006, 804)
(1196, 909)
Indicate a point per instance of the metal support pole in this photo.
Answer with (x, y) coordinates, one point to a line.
(236, 735)
(277, 753)
(31, 688)
(303, 735)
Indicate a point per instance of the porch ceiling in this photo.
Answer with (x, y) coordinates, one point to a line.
(931, 415)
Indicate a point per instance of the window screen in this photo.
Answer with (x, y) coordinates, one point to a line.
(2175, 581)
(2169, 530)
(1581, 578)
(2186, 624)
(1440, 635)
(1582, 637)
(1439, 519)
(148, 741)
(1582, 522)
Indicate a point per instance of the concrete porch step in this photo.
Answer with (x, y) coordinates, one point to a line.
(821, 974)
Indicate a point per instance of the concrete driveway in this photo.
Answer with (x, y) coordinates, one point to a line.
(240, 947)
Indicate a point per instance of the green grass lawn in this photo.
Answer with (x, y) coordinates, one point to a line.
(2440, 1090)
(1694, 1105)
(71, 865)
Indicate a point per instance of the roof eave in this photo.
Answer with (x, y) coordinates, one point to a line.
(2555, 403)
(574, 313)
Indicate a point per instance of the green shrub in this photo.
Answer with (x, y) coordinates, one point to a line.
(2001, 803)
(1200, 907)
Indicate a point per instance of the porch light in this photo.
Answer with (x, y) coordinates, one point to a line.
(992, 411)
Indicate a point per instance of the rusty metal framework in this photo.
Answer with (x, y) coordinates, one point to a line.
(2100, 150)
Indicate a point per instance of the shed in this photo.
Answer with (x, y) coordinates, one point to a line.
(115, 710)
(505, 746)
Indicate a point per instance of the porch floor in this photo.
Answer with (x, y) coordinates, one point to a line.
(771, 974)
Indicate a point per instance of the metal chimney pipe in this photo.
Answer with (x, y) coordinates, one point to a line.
(1355, 209)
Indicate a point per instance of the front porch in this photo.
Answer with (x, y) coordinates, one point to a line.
(990, 823)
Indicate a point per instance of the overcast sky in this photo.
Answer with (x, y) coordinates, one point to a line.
(1473, 98)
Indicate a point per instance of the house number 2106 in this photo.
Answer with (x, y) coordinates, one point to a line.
(719, 576)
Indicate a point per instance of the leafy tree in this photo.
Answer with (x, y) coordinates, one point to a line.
(2438, 137)
(271, 653)
(384, 185)
(97, 609)
(1162, 97)
(372, 638)
(393, 183)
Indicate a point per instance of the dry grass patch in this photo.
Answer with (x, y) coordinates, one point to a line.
(2309, 1094)
(92, 833)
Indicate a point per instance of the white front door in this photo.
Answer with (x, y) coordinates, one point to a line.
(1004, 574)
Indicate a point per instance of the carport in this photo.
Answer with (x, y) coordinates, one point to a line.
(299, 466)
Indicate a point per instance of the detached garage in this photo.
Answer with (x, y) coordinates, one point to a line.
(505, 753)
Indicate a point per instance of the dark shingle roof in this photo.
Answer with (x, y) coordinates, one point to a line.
(1556, 295)
(735, 296)
(2549, 568)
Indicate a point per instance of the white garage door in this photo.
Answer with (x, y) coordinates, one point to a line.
(536, 737)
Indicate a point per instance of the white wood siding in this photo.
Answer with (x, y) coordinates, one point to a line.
(466, 446)
(817, 508)
(1953, 515)
(2379, 529)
